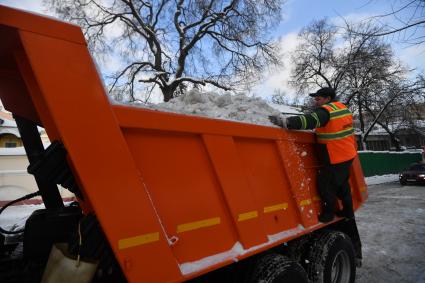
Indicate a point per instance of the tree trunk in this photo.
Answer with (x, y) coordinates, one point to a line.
(168, 92)
(361, 119)
(393, 137)
(395, 141)
(363, 141)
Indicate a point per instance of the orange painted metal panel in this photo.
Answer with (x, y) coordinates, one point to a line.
(263, 167)
(35, 23)
(176, 195)
(300, 183)
(237, 191)
(132, 117)
(119, 188)
(13, 91)
(184, 190)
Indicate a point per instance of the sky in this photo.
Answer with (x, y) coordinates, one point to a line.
(297, 14)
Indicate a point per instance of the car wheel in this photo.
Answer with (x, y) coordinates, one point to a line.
(403, 182)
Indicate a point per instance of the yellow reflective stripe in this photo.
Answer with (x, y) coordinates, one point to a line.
(339, 110)
(138, 240)
(198, 224)
(336, 135)
(341, 116)
(332, 106)
(247, 215)
(305, 202)
(303, 122)
(276, 207)
(314, 115)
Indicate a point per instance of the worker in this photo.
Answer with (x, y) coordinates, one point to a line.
(337, 148)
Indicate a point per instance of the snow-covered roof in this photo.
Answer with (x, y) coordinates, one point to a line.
(8, 125)
(6, 120)
(10, 130)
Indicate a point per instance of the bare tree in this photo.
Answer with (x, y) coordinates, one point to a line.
(383, 109)
(314, 57)
(170, 44)
(361, 68)
(280, 97)
(405, 21)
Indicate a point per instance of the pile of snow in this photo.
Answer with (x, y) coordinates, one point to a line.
(239, 107)
(374, 180)
(286, 109)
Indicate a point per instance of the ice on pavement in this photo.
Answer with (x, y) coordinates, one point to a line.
(239, 107)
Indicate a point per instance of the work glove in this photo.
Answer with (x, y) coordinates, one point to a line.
(278, 120)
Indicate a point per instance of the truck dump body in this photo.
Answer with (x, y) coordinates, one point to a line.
(176, 195)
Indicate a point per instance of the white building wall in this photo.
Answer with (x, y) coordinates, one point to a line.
(15, 182)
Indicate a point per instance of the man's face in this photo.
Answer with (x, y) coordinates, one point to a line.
(320, 100)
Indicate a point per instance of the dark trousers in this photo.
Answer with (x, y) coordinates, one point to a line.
(332, 182)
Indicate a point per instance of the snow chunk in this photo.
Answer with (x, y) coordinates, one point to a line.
(194, 266)
(236, 250)
(239, 107)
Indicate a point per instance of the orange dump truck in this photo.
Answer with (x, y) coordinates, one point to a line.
(161, 197)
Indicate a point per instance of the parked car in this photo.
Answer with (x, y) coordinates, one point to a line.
(414, 174)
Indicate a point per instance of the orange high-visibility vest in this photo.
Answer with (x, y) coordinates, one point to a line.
(338, 133)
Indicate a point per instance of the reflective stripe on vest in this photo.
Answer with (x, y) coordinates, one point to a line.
(335, 136)
(338, 133)
(336, 128)
(340, 113)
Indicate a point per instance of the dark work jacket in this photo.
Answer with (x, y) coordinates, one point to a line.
(318, 118)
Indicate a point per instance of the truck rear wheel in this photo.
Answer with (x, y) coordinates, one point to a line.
(276, 268)
(332, 259)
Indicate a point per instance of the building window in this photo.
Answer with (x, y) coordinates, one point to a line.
(377, 145)
(9, 140)
(10, 144)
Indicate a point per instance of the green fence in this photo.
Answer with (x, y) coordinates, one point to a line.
(381, 163)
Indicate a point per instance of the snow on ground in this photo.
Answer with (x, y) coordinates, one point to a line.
(392, 229)
(374, 180)
(239, 107)
(14, 217)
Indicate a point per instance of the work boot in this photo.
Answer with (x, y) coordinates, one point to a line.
(326, 217)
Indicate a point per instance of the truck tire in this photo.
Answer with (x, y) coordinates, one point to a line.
(332, 259)
(276, 268)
